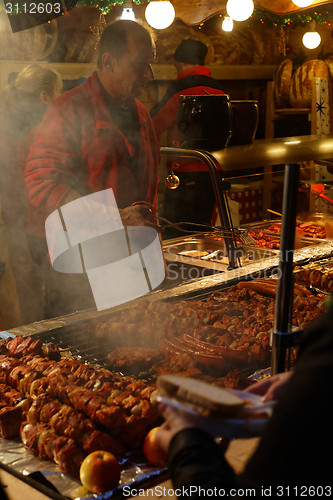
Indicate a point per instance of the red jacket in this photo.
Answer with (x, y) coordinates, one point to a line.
(164, 114)
(77, 146)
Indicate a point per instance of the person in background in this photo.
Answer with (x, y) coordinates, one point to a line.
(294, 454)
(99, 136)
(193, 200)
(23, 103)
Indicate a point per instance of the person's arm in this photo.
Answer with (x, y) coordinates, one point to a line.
(196, 464)
(165, 118)
(195, 460)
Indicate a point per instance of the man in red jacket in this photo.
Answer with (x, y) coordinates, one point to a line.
(99, 136)
(194, 199)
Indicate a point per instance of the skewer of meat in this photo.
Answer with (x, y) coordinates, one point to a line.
(20, 346)
(45, 443)
(102, 381)
(57, 385)
(79, 431)
(96, 379)
(105, 390)
(115, 413)
(65, 421)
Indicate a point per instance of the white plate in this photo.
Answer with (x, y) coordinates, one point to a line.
(256, 404)
(230, 428)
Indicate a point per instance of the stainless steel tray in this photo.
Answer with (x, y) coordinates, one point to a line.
(194, 250)
(304, 241)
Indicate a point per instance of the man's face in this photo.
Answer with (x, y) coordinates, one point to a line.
(133, 70)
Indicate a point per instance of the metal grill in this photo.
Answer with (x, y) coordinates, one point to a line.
(78, 344)
(76, 340)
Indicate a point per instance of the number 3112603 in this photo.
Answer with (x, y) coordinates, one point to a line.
(33, 8)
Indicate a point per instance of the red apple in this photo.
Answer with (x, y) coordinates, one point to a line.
(153, 452)
(100, 471)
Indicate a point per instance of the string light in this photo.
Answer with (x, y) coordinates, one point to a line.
(227, 24)
(128, 13)
(239, 10)
(302, 3)
(311, 39)
(160, 14)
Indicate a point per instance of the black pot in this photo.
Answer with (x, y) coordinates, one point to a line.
(244, 122)
(204, 121)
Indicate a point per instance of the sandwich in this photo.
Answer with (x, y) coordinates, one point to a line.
(205, 399)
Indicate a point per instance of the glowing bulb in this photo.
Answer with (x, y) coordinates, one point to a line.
(160, 14)
(227, 24)
(240, 10)
(302, 3)
(311, 39)
(128, 13)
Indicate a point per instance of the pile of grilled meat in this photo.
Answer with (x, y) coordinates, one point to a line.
(63, 409)
(229, 329)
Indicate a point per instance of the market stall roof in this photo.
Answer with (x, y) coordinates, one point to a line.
(195, 11)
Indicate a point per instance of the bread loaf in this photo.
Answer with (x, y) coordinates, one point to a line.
(329, 62)
(301, 84)
(282, 82)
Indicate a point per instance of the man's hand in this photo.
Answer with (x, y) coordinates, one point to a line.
(138, 215)
(175, 421)
(270, 388)
(70, 196)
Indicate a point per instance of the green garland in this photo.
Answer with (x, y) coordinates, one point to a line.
(281, 21)
(103, 5)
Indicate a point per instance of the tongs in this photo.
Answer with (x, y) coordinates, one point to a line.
(242, 233)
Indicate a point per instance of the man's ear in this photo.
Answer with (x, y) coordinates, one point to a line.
(108, 61)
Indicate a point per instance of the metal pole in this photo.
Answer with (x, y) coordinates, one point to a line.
(223, 208)
(215, 174)
(282, 336)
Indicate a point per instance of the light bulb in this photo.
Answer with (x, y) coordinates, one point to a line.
(160, 14)
(311, 39)
(302, 3)
(227, 24)
(128, 13)
(239, 10)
